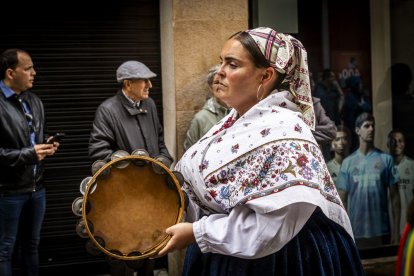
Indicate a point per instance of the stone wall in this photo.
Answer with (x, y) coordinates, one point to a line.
(192, 34)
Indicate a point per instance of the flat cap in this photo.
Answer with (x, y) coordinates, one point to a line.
(133, 70)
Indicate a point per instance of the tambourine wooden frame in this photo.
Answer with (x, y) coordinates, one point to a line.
(156, 247)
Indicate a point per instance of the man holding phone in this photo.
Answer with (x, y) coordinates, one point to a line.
(56, 137)
(22, 149)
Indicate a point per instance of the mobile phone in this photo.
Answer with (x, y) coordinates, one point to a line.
(56, 137)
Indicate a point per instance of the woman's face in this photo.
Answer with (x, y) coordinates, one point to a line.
(214, 91)
(238, 77)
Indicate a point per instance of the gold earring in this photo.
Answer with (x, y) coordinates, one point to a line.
(257, 93)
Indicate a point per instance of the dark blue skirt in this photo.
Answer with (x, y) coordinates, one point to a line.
(322, 247)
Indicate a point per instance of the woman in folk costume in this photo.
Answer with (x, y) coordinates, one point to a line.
(261, 199)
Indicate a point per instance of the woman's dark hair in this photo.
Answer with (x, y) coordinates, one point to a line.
(250, 45)
(9, 59)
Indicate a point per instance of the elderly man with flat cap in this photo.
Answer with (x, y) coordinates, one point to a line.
(129, 121)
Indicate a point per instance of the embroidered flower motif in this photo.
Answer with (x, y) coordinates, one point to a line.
(298, 128)
(235, 148)
(306, 146)
(302, 160)
(203, 165)
(228, 123)
(316, 153)
(247, 191)
(295, 146)
(262, 174)
(283, 104)
(225, 192)
(265, 132)
(307, 173)
(222, 177)
(315, 165)
(207, 197)
(275, 111)
(213, 180)
(213, 193)
(219, 140)
(239, 163)
(328, 184)
(327, 179)
(289, 169)
(223, 173)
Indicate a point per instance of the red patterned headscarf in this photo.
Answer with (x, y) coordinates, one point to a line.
(288, 56)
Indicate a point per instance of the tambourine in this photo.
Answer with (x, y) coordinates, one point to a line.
(129, 203)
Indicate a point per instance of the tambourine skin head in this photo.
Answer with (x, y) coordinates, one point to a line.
(132, 207)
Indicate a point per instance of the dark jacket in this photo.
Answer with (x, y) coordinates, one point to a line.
(118, 125)
(17, 155)
(325, 129)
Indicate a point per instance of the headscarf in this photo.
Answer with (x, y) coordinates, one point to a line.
(288, 56)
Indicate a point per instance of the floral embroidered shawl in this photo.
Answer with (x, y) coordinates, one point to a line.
(268, 150)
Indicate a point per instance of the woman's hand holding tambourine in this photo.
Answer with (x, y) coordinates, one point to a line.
(182, 235)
